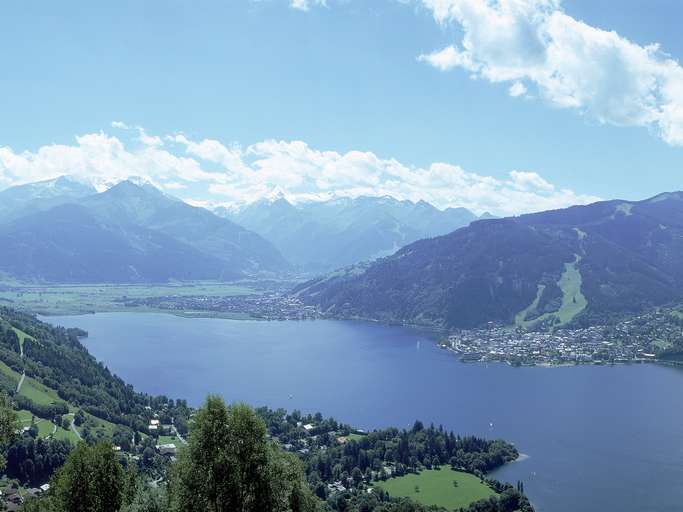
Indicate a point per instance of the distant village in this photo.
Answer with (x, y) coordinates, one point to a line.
(268, 306)
(628, 342)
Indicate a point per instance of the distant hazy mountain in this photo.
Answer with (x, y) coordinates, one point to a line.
(579, 264)
(39, 196)
(320, 236)
(132, 232)
(141, 204)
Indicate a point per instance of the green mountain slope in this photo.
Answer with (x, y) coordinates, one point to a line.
(574, 265)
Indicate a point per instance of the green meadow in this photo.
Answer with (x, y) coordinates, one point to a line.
(436, 487)
(82, 299)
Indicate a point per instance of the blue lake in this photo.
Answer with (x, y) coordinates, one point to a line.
(598, 438)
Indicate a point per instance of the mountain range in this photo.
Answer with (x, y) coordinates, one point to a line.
(64, 231)
(318, 236)
(570, 266)
(25, 199)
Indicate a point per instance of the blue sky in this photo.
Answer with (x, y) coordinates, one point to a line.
(228, 87)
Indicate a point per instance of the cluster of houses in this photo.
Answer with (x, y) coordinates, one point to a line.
(155, 427)
(566, 346)
(270, 306)
(13, 498)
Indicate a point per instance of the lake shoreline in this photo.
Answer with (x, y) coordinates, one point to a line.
(374, 376)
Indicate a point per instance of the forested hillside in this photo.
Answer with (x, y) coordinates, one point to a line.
(580, 264)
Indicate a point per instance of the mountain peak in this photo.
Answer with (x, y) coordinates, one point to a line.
(137, 186)
(666, 196)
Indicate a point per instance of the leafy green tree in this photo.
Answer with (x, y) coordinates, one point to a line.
(229, 466)
(79, 418)
(91, 480)
(138, 496)
(8, 424)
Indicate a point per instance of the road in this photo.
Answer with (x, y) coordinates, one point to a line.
(175, 431)
(73, 428)
(21, 381)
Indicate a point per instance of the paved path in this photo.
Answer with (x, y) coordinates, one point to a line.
(23, 374)
(73, 428)
(21, 381)
(175, 431)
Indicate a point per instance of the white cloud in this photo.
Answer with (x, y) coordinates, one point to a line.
(208, 171)
(517, 89)
(447, 58)
(305, 5)
(572, 64)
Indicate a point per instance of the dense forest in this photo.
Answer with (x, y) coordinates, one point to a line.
(58, 360)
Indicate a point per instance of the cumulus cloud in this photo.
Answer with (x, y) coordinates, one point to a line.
(571, 64)
(517, 89)
(208, 171)
(305, 5)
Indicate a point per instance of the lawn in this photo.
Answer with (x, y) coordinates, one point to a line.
(168, 440)
(24, 417)
(435, 487)
(37, 392)
(355, 437)
(66, 435)
(45, 427)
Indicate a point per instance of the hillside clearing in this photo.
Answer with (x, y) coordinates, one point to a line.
(436, 487)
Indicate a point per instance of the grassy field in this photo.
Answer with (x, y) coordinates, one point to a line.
(355, 437)
(98, 426)
(45, 427)
(66, 435)
(15, 376)
(436, 487)
(31, 388)
(168, 440)
(80, 299)
(39, 393)
(573, 300)
(24, 417)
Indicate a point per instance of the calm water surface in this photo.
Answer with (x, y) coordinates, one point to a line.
(598, 438)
